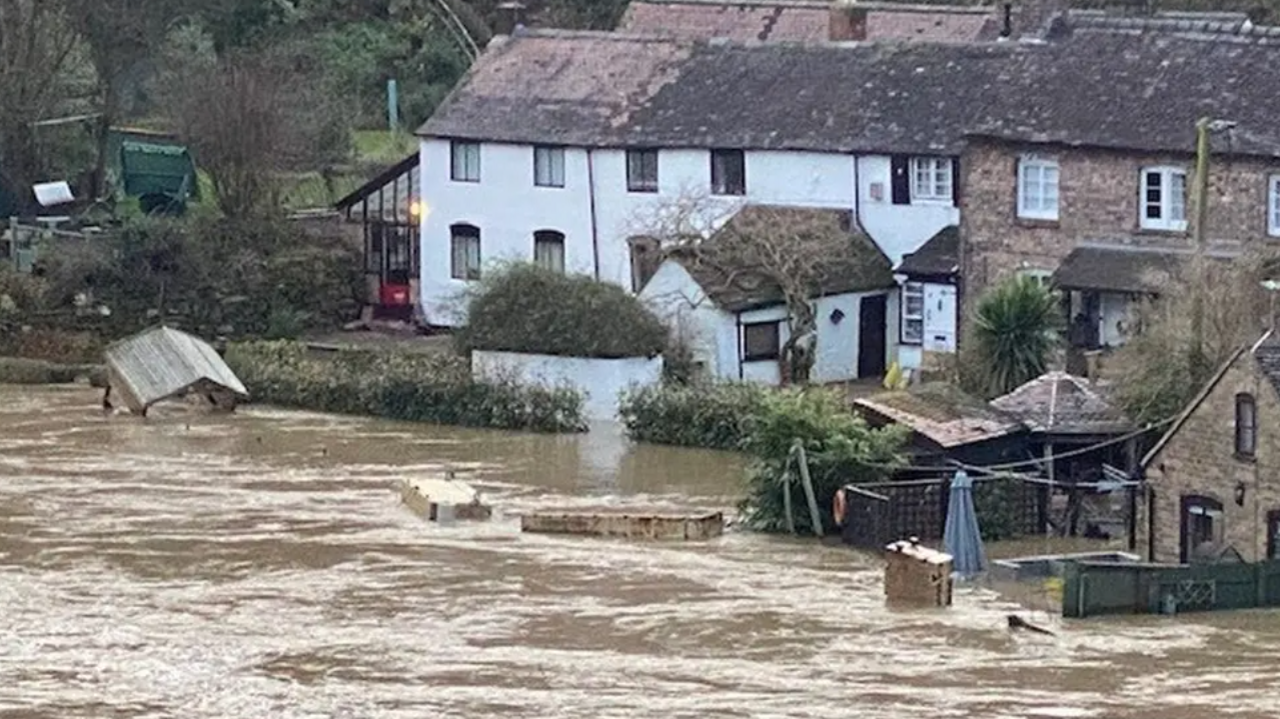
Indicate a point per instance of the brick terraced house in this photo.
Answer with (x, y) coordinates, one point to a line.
(1214, 478)
(1089, 187)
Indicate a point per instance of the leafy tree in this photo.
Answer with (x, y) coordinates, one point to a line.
(1014, 331)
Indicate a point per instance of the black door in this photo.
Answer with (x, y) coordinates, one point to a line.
(872, 314)
(1273, 534)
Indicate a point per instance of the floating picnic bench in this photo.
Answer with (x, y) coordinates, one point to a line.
(630, 523)
(440, 499)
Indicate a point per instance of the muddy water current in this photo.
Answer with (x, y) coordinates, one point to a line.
(261, 565)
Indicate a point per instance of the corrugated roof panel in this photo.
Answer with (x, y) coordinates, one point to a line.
(162, 362)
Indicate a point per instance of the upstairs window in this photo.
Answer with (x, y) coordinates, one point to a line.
(728, 172)
(1037, 188)
(548, 166)
(931, 179)
(548, 250)
(1246, 426)
(1273, 205)
(1163, 202)
(642, 170)
(465, 161)
(760, 342)
(465, 246)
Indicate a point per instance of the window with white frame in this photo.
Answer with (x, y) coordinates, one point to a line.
(548, 166)
(913, 313)
(465, 246)
(1273, 206)
(548, 250)
(642, 170)
(1163, 203)
(931, 179)
(464, 161)
(1038, 188)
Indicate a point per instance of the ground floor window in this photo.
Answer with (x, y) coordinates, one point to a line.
(1202, 527)
(913, 313)
(760, 342)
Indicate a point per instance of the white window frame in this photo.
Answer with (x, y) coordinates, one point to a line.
(1038, 187)
(464, 161)
(1273, 205)
(1173, 212)
(465, 253)
(548, 166)
(548, 250)
(911, 327)
(931, 180)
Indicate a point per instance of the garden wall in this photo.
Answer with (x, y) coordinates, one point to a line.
(600, 381)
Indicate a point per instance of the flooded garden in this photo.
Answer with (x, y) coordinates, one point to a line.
(261, 564)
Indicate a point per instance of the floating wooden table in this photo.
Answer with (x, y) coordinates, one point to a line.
(625, 522)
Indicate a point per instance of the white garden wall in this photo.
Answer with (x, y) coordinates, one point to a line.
(600, 380)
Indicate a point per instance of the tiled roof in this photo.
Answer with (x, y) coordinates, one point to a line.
(940, 255)
(942, 413)
(804, 20)
(1267, 354)
(1061, 403)
(1124, 269)
(1095, 88)
(854, 263)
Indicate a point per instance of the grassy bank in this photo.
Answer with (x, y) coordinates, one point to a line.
(20, 370)
(414, 387)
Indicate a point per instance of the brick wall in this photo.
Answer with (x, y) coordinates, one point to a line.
(1098, 202)
(1200, 459)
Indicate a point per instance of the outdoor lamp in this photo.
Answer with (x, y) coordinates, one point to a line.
(1239, 494)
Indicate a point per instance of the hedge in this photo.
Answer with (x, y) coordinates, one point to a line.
(20, 370)
(714, 414)
(524, 308)
(417, 387)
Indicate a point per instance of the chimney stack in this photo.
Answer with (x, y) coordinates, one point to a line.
(510, 17)
(846, 21)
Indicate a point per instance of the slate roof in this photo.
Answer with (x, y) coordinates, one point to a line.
(1124, 269)
(1061, 403)
(1096, 88)
(943, 414)
(804, 20)
(854, 263)
(940, 255)
(1267, 354)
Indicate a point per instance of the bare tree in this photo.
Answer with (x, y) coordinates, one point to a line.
(37, 46)
(790, 255)
(251, 117)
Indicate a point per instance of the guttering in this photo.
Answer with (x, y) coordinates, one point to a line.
(591, 199)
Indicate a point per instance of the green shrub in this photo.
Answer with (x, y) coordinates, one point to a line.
(840, 446)
(714, 415)
(18, 370)
(523, 308)
(416, 387)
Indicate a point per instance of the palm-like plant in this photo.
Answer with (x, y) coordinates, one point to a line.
(1015, 329)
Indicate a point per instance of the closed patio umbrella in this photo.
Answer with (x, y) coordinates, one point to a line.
(961, 536)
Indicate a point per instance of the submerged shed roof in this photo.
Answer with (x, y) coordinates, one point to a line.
(1057, 402)
(943, 413)
(164, 362)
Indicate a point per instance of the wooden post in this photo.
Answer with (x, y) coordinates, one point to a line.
(1199, 198)
(786, 497)
(814, 515)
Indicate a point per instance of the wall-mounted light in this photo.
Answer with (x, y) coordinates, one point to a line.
(1239, 494)
(417, 209)
(836, 315)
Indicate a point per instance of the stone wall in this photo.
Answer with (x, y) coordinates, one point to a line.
(1098, 203)
(1200, 459)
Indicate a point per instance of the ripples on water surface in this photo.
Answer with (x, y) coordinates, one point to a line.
(261, 566)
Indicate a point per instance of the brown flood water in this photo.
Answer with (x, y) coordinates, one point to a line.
(261, 566)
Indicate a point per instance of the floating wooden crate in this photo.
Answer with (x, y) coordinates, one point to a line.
(631, 525)
(438, 499)
(915, 574)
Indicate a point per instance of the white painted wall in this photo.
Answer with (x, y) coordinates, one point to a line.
(897, 229)
(714, 338)
(941, 311)
(508, 208)
(600, 380)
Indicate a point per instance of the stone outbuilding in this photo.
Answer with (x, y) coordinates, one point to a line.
(1213, 480)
